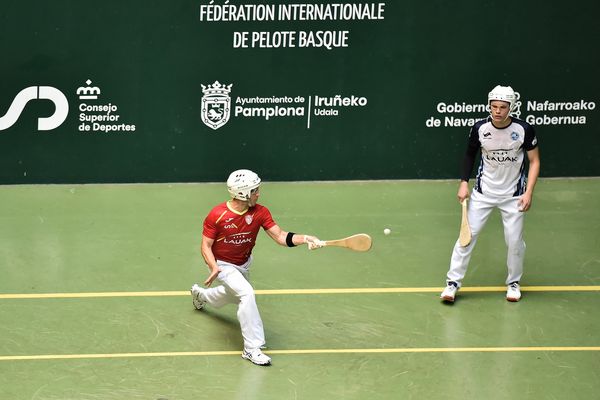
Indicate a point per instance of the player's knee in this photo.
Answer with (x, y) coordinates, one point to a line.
(246, 295)
(516, 246)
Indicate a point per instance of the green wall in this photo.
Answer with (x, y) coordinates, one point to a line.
(151, 58)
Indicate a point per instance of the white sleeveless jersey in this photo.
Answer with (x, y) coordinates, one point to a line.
(501, 172)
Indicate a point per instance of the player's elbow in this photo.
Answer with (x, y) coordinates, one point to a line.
(280, 238)
(205, 250)
(278, 235)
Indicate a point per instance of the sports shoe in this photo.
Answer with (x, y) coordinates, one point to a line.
(513, 292)
(256, 356)
(449, 293)
(197, 297)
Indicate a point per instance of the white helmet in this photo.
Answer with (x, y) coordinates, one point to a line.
(503, 93)
(241, 183)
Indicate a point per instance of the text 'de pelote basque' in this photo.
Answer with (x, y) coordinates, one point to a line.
(286, 38)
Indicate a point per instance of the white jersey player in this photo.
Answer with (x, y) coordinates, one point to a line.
(502, 182)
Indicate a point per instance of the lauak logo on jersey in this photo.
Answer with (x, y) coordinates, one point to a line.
(502, 156)
(216, 105)
(237, 238)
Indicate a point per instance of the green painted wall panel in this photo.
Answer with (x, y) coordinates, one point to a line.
(151, 58)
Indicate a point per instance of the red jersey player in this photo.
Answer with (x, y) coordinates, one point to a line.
(229, 235)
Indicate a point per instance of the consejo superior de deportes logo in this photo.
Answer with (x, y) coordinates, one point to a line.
(93, 116)
(18, 104)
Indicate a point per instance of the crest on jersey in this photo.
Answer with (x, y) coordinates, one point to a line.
(216, 105)
(514, 136)
(248, 219)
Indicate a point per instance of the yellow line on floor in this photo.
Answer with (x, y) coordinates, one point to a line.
(303, 351)
(301, 291)
(90, 294)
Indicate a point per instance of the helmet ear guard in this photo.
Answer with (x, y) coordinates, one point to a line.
(241, 183)
(503, 93)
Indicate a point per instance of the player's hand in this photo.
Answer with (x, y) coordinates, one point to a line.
(313, 242)
(463, 191)
(213, 275)
(525, 202)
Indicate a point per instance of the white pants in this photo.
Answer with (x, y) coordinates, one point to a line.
(236, 288)
(479, 209)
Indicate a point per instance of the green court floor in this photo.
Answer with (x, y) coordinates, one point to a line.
(94, 300)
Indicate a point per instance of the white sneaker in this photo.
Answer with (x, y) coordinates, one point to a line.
(513, 292)
(449, 292)
(256, 356)
(197, 297)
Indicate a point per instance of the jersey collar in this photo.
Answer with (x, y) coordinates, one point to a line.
(235, 211)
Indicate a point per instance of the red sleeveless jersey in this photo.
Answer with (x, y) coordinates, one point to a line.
(235, 233)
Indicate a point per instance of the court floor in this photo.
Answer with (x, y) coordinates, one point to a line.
(94, 300)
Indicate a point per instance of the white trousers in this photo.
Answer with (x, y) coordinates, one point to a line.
(236, 289)
(479, 209)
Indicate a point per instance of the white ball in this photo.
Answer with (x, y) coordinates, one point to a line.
(387, 231)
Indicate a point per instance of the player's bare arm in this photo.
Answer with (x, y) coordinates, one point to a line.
(280, 237)
(209, 258)
(534, 172)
